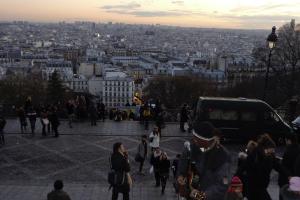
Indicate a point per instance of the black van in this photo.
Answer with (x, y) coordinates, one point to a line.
(241, 118)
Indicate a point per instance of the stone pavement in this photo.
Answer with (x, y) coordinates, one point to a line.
(29, 165)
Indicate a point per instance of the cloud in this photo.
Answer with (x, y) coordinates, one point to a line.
(258, 18)
(178, 2)
(130, 6)
(145, 13)
(264, 7)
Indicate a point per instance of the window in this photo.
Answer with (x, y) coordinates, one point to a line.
(248, 116)
(217, 114)
(271, 117)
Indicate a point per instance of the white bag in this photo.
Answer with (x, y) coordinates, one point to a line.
(45, 121)
(151, 169)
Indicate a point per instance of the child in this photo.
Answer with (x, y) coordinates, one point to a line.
(235, 190)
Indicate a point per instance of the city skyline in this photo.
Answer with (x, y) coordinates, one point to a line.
(256, 14)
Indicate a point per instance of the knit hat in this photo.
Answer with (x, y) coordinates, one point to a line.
(204, 131)
(235, 183)
(294, 184)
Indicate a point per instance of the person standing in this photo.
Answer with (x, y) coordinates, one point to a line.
(28, 104)
(71, 112)
(53, 118)
(154, 138)
(242, 165)
(58, 193)
(32, 119)
(288, 160)
(175, 165)
(183, 117)
(174, 168)
(142, 153)
(154, 161)
(207, 159)
(101, 111)
(260, 162)
(2, 125)
(45, 121)
(22, 118)
(93, 114)
(120, 164)
(164, 170)
(146, 116)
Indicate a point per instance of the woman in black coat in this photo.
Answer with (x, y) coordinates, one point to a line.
(259, 165)
(120, 164)
(164, 169)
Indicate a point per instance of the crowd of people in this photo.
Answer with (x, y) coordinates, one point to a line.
(202, 171)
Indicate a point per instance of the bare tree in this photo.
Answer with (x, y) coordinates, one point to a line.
(285, 58)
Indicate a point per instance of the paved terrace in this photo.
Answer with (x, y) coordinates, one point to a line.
(29, 165)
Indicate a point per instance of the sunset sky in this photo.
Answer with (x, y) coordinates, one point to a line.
(197, 13)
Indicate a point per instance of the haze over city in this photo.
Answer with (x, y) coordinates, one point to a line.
(255, 14)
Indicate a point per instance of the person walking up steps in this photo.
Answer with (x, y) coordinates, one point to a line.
(142, 153)
(164, 170)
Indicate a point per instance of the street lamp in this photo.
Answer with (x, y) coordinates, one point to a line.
(271, 42)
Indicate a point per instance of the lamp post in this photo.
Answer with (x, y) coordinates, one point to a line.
(271, 41)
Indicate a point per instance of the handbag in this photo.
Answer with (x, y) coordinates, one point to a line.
(45, 121)
(138, 158)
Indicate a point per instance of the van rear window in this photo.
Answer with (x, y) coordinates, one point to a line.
(218, 114)
(248, 116)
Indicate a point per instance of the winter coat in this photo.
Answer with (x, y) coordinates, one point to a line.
(258, 169)
(288, 163)
(212, 166)
(53, 118)
(184, 114)
(142, 149)
(120, 164)
(32, 116)
(154, 161)
(164, 167)
(175, 166)
(233, 196)
(58, 195)
(154, 140)
(288, 195)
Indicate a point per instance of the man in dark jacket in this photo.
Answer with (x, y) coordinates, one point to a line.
(53, 118)
(58, 193)
(207, 159)
(183, 117)
(120, 164)
(2, 125)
